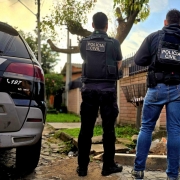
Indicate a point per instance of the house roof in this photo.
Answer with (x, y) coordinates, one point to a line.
(77, 83)
(76, 68)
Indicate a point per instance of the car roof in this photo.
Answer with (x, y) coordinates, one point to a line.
(4, 27)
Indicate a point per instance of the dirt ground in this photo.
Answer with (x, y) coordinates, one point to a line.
(53, 165)
(64, 168)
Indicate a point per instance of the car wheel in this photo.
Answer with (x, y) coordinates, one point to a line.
(27, 157)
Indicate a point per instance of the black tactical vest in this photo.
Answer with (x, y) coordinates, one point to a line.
(99, 58)
(168, 49)
(166, 60)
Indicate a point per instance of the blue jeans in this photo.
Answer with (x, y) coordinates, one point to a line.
(154, 101)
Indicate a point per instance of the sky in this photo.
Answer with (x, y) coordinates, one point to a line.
(16, 14)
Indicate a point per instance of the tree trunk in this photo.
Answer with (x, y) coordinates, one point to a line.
(124, 28)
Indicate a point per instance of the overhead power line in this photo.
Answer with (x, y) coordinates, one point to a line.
(12, 3)
(27, 7)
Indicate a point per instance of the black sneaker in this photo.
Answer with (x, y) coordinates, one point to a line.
(137, 174)
(81, 171)
(112, 169)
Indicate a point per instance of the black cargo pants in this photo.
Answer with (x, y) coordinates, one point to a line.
(92, 100)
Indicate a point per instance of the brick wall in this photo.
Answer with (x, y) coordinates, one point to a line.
(127, 110)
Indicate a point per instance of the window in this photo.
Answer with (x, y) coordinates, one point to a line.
(12, 46)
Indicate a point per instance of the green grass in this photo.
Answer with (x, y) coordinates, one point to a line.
(121, 131)
(62, 117)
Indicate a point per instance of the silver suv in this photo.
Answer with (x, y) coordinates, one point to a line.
(22, 99)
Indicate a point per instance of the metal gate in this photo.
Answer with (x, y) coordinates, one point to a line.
(135, 94)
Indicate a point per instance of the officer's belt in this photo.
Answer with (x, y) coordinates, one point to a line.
(160, 76)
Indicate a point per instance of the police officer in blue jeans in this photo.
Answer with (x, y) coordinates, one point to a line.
(161, 52)
(101, 60)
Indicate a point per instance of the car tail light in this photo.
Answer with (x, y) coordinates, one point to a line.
(21, 68)
(38, 73)
(26, 69)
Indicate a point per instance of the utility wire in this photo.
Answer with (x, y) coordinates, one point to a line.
(13, 3)
(27, 7)
(42, 3)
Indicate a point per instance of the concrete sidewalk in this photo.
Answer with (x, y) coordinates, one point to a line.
(155, 165)
(65, 125)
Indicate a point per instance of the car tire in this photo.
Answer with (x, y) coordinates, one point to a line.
(27, 157)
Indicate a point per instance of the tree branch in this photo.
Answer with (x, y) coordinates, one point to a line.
(76, 28)
(119, 14)
(72, 50)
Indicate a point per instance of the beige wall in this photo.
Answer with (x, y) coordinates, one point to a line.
(74, 101)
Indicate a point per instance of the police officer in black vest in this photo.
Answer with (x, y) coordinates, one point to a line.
(101, 60)
(161, 52)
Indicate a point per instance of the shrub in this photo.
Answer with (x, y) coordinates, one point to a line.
(53, 83)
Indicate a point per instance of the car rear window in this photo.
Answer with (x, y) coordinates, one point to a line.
(12, 46)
